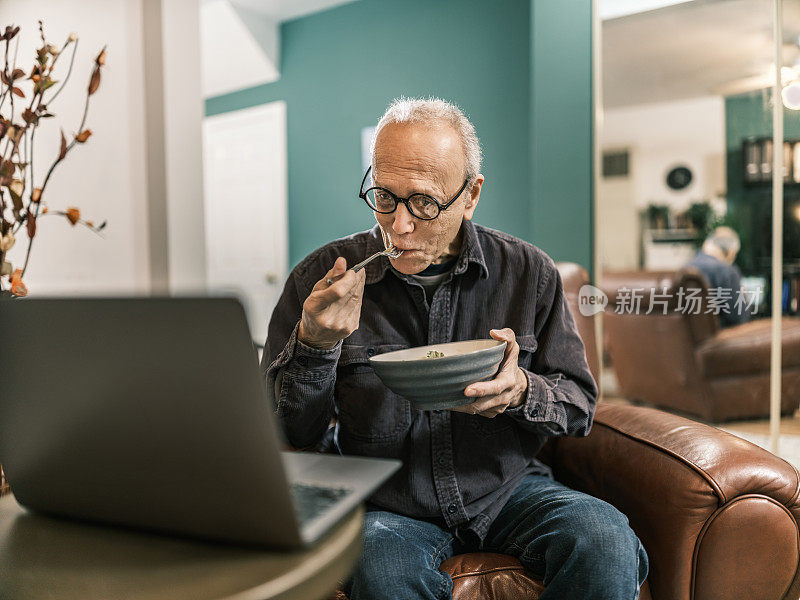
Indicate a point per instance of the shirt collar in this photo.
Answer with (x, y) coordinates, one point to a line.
(471, 252)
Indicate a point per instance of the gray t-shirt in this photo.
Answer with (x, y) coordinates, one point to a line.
(433, 275)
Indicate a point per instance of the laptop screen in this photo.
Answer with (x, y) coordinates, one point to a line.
(755, 291)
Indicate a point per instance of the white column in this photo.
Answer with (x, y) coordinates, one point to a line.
(777, 234)
(173, 120)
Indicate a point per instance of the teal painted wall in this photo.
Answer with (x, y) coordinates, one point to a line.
(341, 68)
(750, 207)
(561, 129)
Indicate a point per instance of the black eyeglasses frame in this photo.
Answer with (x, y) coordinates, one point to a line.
(362, 193)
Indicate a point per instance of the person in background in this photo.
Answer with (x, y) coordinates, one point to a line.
(715, 261)
(470, 478)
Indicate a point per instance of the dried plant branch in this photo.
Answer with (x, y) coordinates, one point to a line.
(6, 91)
(21, 201)
(61, 156)
(69, 71)
(11, 95)
(16, 48)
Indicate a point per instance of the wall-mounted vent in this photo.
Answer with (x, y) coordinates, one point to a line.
(616, 164)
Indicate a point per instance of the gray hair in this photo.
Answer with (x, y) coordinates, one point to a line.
(431, 111)
(726, 239)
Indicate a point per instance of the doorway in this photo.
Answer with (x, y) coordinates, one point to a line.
(245, 173)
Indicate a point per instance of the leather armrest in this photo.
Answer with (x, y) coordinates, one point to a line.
(716, 514)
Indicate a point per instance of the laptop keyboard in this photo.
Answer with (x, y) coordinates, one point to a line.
(312, 500)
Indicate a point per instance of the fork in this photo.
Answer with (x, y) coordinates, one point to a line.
(390, 250)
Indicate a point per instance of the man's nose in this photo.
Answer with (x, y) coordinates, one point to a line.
(403, 220)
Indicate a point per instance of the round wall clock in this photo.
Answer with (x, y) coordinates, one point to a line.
(679, 178)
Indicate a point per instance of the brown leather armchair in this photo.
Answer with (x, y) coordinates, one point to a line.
(717, 515)
(683, 361)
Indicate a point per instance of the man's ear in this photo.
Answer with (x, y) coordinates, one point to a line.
(473, 193)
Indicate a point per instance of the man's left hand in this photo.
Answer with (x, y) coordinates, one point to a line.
(506, 390)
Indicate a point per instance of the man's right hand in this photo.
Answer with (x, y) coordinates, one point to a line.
(332, 311)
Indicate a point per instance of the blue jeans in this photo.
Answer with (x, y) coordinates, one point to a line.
(579, 545)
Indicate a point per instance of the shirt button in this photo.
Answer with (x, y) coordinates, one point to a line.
(442, 461)
(370, 351)
(302, 361)
(452, 508)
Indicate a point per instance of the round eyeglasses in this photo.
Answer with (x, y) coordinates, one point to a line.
(421, 206)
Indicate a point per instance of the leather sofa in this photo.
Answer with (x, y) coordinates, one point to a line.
(717, 515)
(682, 360)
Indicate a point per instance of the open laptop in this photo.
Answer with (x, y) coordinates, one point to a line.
(152, 413)
(754, 290)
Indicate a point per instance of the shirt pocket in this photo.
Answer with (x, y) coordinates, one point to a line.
(368, 410)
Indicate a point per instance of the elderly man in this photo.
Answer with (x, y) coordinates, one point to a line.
(470, 479)
(715, 261)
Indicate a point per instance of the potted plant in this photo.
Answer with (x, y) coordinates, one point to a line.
(658, 216)
(703, 219)
(26, 102)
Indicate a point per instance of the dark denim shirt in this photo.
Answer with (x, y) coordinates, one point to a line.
(458, 469)
(727, 277)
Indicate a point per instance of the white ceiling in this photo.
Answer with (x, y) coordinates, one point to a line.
(240, 40)
(285, 10)
(691, 49)
(669, 50)
(611, 9)
(239, 48)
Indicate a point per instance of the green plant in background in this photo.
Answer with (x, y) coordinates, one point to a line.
(703, 219)
(658, 216)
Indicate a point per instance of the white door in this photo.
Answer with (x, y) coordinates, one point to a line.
(244, 156)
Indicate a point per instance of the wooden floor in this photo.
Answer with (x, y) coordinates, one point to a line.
(789, 425)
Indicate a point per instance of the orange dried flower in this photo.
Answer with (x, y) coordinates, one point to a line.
(17, 287)
(83, 135)
(74, 215)
(36, 195)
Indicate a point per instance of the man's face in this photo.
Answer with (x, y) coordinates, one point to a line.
(414, 158)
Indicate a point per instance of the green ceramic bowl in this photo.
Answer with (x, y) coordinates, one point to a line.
(439, 383)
